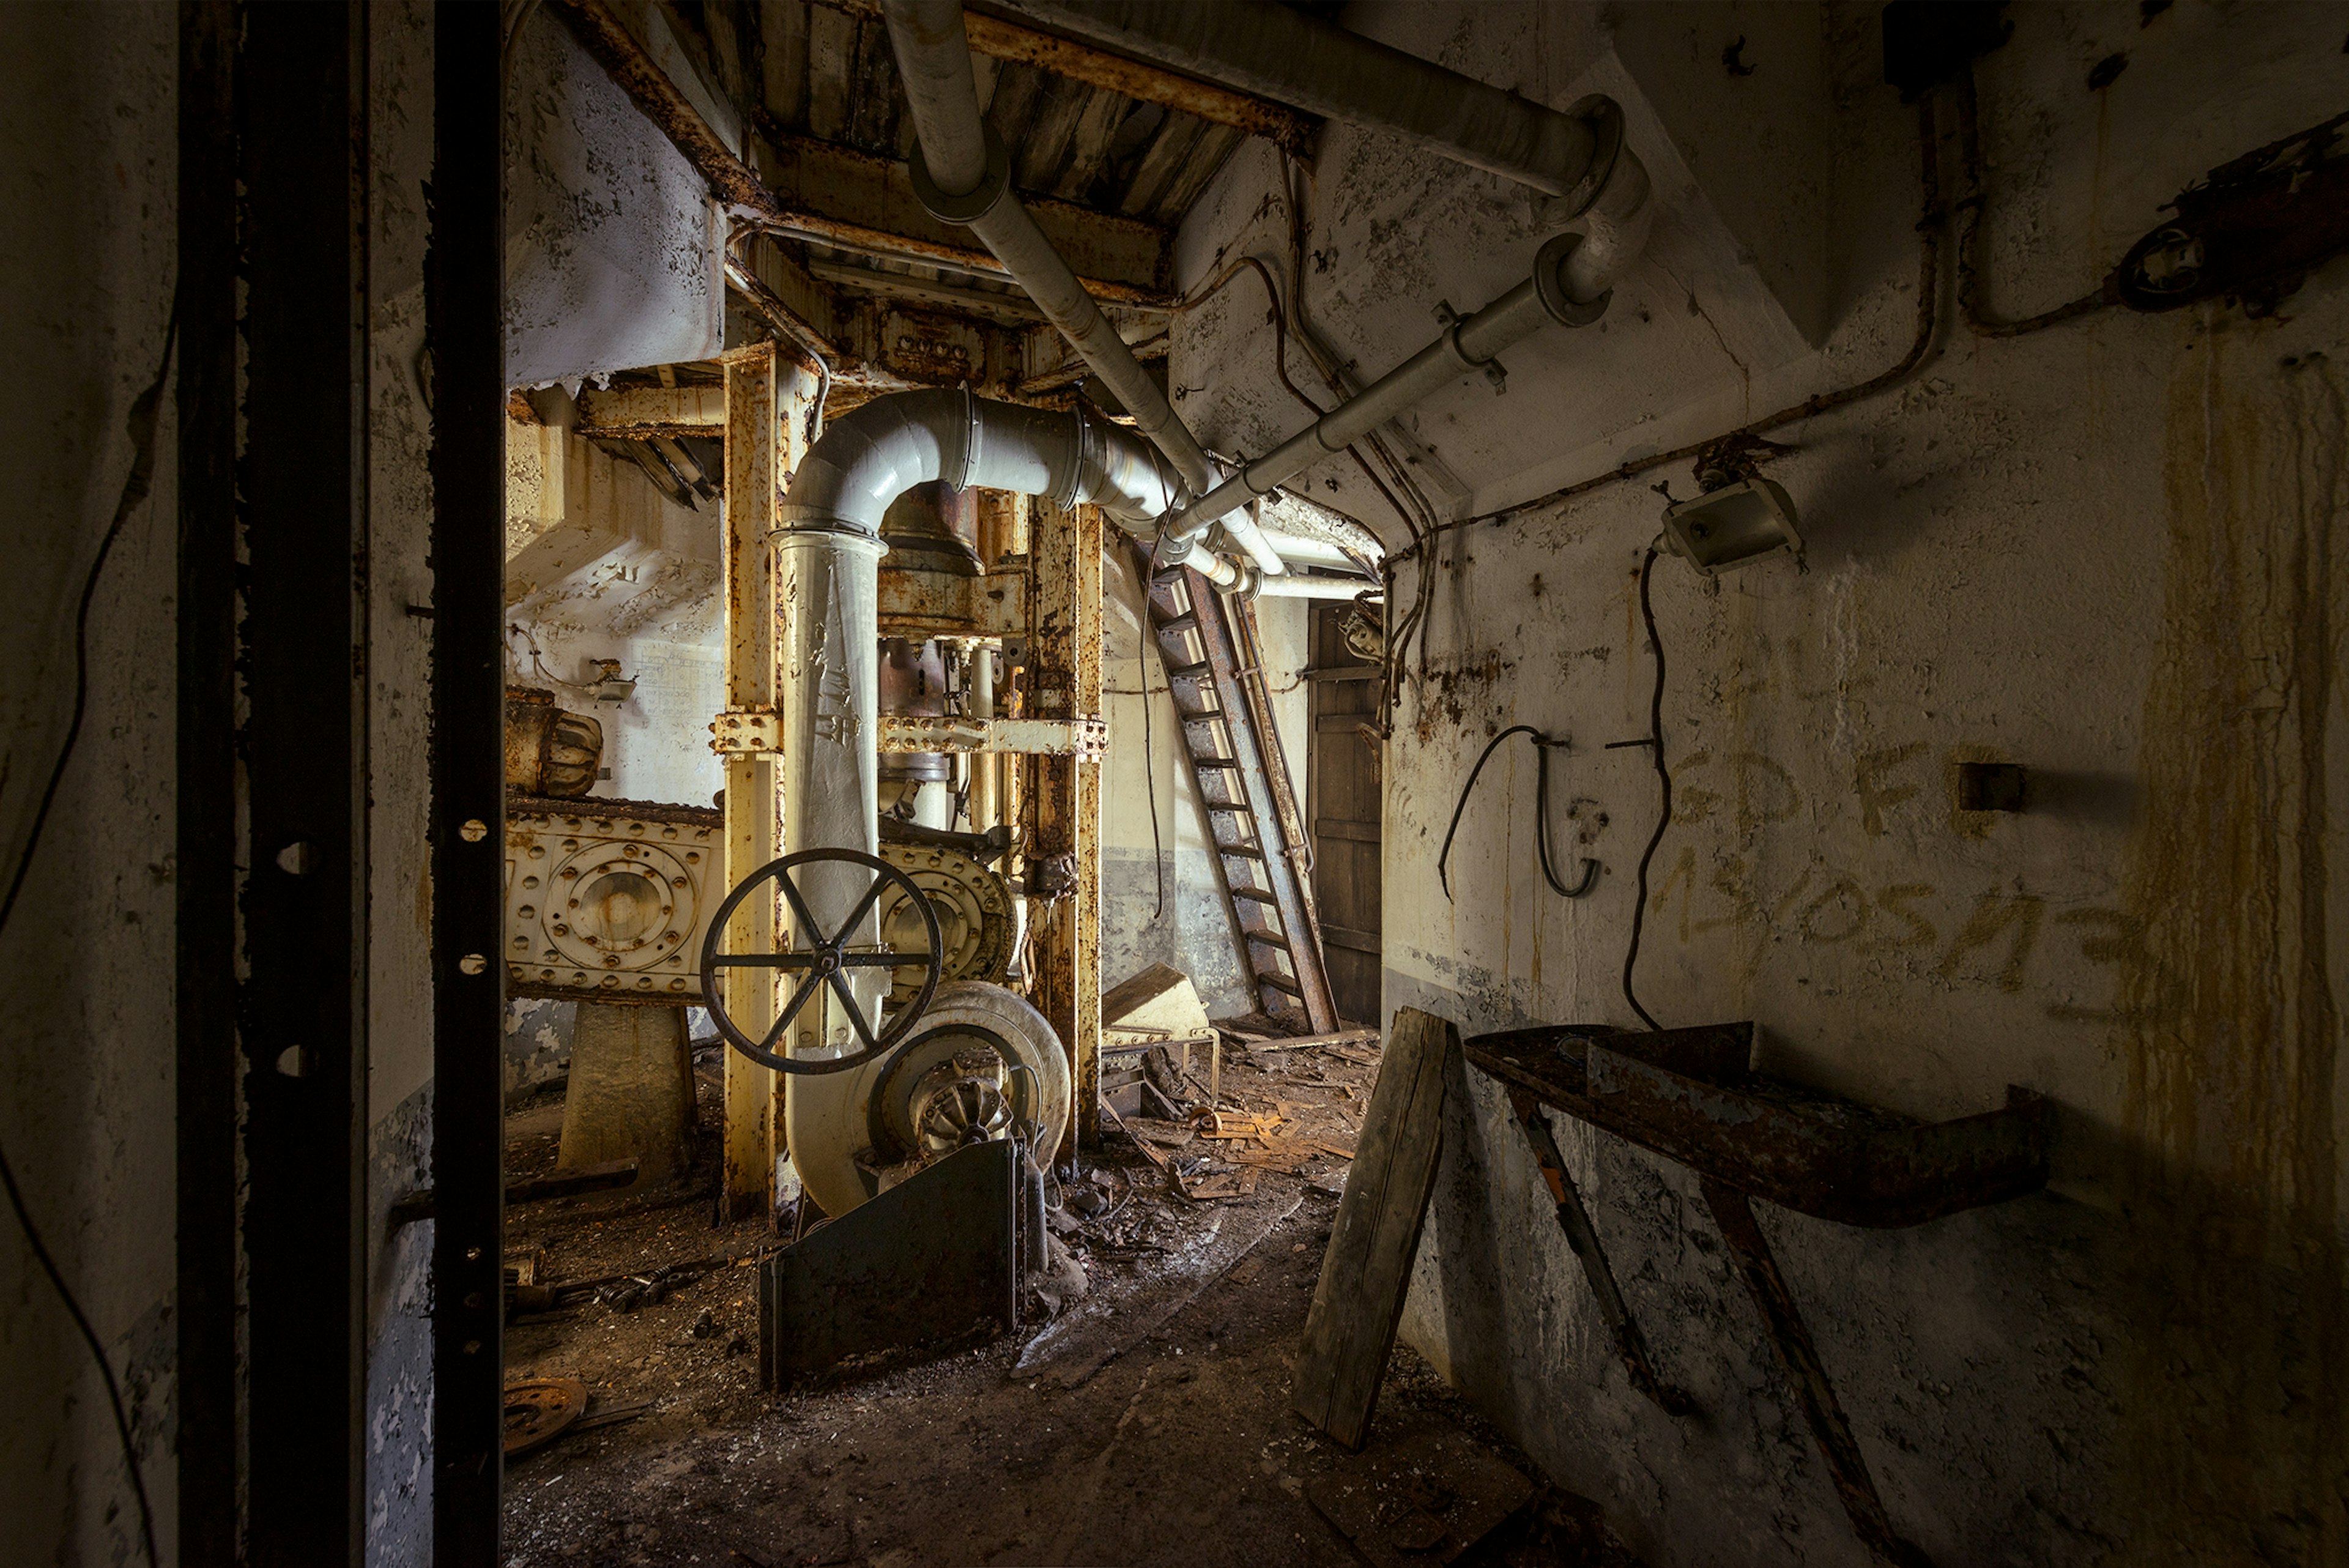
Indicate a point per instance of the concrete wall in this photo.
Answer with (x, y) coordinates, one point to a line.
(611, 238)
(2104, 552)
(1162, 901)
(87, 176)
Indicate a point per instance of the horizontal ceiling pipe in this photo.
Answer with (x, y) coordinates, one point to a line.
(873, 455)
(1560, 289)
(962, 172)
(1292, 586)
(1266, 49)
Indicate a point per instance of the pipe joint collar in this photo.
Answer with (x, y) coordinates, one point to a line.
(1604, 118)
(1550, 285)
(971, 205)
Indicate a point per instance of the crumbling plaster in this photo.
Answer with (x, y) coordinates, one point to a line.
(2104, 552)
(1163, 898)
(612, 241)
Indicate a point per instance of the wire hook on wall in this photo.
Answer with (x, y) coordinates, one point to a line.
(1543, 746)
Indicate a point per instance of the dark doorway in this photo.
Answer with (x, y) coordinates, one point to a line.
(1342, 802)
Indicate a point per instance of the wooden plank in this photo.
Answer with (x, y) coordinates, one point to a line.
(1168, 152)
(1208, 157)
(1349, 1330)
(1313, 1041)
(1038, 158)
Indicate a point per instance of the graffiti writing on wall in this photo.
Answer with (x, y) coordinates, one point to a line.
(2000, 935)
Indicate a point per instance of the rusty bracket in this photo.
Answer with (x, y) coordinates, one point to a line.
(746, 732)
(1807, 1376)
(1087, 740)
(1583, 1237)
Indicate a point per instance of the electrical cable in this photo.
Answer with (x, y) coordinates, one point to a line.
(1968, 240)
(140, 422)
(1655, 745)
(1928, 288)
(1543, 746)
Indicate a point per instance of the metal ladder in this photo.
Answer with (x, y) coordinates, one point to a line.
(1242, 778)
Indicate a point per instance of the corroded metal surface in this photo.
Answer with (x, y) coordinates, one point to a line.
(930, 1265)
(1085, 739)
(549, 751)
(1689, 1095)
(605, 903)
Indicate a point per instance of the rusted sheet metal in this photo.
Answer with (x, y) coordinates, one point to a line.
(933, 604)
(1688, 1095)
(1000, 39)
(609, 900)
(921, 347)
(1085, 739)
(638, 410)
(861, 201)
(1276, 123)
(1806, 1378)
(930, 1265)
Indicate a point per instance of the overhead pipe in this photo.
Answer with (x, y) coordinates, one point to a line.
(1273, 51)
(1573, 279)
(962, 173)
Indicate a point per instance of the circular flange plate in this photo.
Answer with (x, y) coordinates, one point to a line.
(538, 1409)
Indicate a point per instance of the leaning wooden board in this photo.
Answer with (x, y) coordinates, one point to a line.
(1366, 1272)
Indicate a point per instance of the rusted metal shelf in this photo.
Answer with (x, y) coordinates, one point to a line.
(1692, 1096)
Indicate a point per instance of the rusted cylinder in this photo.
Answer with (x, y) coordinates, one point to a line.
(549, 751)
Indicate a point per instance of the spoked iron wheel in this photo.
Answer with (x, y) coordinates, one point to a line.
(822, 958)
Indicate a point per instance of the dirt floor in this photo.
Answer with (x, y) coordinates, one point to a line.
(1149, 1424)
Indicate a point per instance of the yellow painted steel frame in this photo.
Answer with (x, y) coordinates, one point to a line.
(1064, 681)
(768, 400)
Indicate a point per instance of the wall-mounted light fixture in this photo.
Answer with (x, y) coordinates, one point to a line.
(610, 685)
(1733, 525)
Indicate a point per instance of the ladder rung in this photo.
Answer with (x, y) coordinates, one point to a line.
(1281, 983)
(1187, 671)
(1227, 762)
(1278, 944)
(1188, 620)
(1256, 895)
(1249, 850)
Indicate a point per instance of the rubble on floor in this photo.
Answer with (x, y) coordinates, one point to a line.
(1147, 1423)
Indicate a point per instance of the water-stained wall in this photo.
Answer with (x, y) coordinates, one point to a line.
(2104, 551)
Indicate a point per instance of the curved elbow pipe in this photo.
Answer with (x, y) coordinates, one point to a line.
(870, 457)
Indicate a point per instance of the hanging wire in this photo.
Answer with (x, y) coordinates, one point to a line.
(1543, 746)
(1930, 229)
(1655, 745)
(142, 422)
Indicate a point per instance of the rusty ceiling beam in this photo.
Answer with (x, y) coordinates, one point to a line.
(1002, 39)
(840, 196)
(857, 200)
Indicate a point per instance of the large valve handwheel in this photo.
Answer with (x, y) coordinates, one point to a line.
(824, 959)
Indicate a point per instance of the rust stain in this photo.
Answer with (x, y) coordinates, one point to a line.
(2235, 1449)
(1446, 693)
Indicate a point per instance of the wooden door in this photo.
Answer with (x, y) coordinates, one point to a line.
(1343, 810)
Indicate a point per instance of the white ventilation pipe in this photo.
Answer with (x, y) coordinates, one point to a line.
(962, 173)
(1295, 586)
(870, 457)
(1573, 279)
